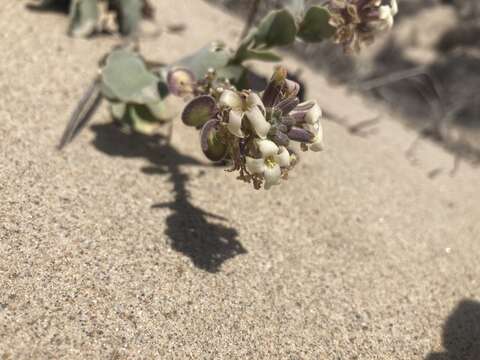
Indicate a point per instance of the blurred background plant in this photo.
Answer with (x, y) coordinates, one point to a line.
(88, 17)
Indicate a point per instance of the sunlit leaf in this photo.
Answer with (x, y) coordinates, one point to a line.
(213, 56)
(125, 78)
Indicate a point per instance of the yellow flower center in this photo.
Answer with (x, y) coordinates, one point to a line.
(270, 161)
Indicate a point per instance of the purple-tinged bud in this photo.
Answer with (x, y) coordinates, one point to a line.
(298, 117)
(199, 110)
(274, 87)
(288, 121)
(287, 105)
(212, 146)
(307, 112)
(300, 135)
(180, 81)
(292, 88)
(280, 138)
(281, 127)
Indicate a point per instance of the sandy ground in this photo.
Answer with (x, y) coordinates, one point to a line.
(113, 249)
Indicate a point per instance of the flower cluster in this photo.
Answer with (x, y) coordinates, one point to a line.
(254, 131)
(357, 22)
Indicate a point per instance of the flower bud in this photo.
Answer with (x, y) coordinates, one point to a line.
(288, 121)
(292, 88)
(274, 87)
(180, 81)
(279, 137)
(287, 105)
(300, 135)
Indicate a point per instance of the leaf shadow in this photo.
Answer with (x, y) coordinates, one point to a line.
(59, 6)
(461, 333)
(189, 228)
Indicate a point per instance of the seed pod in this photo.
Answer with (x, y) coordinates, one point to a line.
(199, 110)
(212, 146)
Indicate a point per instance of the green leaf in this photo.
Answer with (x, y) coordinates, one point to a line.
(126, 79)
(315, 26)
(278, 28)
(252, 54)
(129, 15)
(214, 55)
(83, 17)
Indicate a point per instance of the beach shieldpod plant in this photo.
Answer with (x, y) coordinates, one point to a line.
(254, 131)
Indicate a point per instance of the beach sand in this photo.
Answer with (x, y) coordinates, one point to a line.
(113, 249)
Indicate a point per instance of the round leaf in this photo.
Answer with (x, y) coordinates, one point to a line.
(215, 56)
(125, 78)
(278, 28)
(315, 26)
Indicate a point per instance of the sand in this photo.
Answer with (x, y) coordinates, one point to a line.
(114, 249)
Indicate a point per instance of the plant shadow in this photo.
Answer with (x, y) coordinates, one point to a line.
(189, 230)
(461, 333)
(59, 6)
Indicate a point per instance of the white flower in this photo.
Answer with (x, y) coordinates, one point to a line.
(308, 111)
(386, 14)
(269, 165)
(317, 142)
(249, 106)
(314, 114)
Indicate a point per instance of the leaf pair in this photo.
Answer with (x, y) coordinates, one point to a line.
(280, 28)
(133, 92)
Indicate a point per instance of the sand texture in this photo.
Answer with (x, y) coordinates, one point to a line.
(114, 249)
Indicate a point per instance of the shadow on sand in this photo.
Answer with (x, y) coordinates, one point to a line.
(207, 244)
(461, 333)
(59, 6)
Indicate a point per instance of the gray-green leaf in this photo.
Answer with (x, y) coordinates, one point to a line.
(278, 28)
(129, 15)
(315, 26)
(83, 17)
(262, 55)
(125, 78)
(214, 55)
